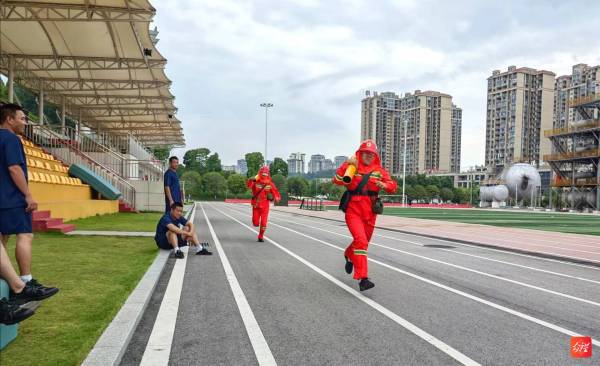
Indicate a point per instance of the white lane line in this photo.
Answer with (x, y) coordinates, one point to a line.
(468, 269)
(451, 251)
(458, 356)
(158, 349)
(503, 251)
(447, 288)
(257, 339)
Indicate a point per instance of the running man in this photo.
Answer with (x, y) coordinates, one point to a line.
(369, 179)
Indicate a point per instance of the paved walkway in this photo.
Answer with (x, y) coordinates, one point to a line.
(112, 233)
(573, 246)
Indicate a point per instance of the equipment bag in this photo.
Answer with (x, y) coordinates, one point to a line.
(345, 200)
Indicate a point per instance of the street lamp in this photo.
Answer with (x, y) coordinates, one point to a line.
(266, 106)
(404, 164)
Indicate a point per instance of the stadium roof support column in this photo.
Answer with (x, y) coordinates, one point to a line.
(63, 115)
(79, 123)
(11, 79)
(41, 105)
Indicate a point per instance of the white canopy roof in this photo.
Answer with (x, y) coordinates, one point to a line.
(96, 55)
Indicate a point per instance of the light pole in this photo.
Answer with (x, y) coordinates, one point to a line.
(404, 165)
(266, 106)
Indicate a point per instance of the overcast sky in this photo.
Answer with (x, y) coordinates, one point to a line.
(314, 60)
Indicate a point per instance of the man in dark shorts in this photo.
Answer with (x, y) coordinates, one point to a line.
(170, 236)
(172, 189)
(16, 202)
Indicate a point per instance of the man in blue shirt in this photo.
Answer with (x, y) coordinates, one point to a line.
(172, 190)
(16, 202)
(169, 235)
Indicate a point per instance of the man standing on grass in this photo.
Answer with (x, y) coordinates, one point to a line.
(16, 202)
(170, 236)
(172, 190)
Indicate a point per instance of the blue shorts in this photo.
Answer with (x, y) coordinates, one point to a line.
(163, 242)
(15, 221)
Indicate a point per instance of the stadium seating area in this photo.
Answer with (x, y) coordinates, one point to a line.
(58, 194)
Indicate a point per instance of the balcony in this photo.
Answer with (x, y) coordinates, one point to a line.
(591, 153)
(587, 99)
(568, 182)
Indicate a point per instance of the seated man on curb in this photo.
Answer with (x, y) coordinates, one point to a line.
(21, 293)
(170, 236)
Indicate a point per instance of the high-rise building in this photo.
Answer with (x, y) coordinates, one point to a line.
(296, 163)
(584, 81)
(327, 165)
(315, 164)
(339, 160)
(242, 166)
(519, 109)
(433, 130)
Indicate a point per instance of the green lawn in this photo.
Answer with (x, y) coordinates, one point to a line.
(95, 276)
(119, 222)
(567, 223)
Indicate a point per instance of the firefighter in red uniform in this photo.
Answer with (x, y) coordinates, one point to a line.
(360, 216)
(263, 191)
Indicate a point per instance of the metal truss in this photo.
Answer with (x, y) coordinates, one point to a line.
(38, 11)
(73, 84)
(74, 63)
(96, 112)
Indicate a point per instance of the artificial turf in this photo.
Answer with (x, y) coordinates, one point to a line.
(95, 276)
(123, 221)
(567, 223)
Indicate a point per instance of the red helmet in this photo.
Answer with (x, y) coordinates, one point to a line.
(368, 146)
(264, 171)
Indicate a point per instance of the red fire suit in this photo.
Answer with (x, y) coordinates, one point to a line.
(359, 214)
(262, 189)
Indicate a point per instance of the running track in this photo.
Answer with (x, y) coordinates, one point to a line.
(288, 301)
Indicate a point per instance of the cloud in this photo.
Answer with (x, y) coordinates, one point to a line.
(315, 59)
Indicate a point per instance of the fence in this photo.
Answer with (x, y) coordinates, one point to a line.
(315, 204)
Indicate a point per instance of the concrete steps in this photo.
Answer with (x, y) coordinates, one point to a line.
(43, 222)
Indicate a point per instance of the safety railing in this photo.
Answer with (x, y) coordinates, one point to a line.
(568, 182)
(584, 100)
(591, 153)
(311, 203)
(581, 126)
(71, 151)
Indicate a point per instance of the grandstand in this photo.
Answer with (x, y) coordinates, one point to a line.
(97, 62)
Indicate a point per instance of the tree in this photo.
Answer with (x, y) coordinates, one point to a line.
(432, 191)
(193, 183)
(420, 192)
(213, 163)
(460, 195)
(254, 160)
(279, 166)
(236, 183)
(297, 186)
(281, 184)
(214, 184)
(446, 194)
(161, 153)
(196, 159)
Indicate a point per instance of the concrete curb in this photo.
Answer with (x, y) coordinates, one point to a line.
(113, 342)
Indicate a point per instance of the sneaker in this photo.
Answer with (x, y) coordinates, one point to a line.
(203, 252)
(205, 245)
(365, 284)
(179, 254)
(349, 266)
(11, 313)
(33, 291)
(261, 240)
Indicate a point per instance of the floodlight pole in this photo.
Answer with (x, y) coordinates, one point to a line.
(404, 164)
(266, 106)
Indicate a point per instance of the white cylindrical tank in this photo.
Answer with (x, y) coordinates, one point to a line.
(590, 198)
(485, 194)
(500, 193)
(522, 179)
(574, 198)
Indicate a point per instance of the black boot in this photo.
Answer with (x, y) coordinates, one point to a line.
(349, 266)
(365, 284)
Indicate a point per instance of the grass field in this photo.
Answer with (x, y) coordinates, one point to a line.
(95, 276)
(567, 223)
(119, 222)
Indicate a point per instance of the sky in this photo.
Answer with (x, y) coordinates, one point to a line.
(314, 60)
